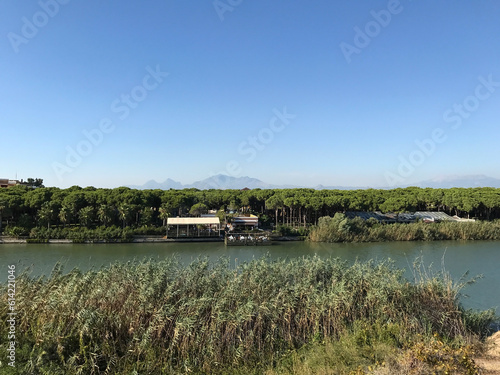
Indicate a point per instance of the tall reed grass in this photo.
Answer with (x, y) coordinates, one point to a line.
(341, 229)
(147, 317)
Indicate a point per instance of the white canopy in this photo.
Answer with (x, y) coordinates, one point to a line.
(193, 220)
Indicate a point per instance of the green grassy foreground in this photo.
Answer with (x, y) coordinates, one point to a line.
(274, 317)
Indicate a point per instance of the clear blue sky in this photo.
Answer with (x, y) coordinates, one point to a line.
(68, 66)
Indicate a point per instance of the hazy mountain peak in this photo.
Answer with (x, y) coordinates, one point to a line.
(466, 181)
(221, 181)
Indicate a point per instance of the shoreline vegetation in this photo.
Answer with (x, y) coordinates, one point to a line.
(338, 228)
(301, 316)
(341, 229)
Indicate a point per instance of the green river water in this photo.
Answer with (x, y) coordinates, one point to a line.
(457, 258)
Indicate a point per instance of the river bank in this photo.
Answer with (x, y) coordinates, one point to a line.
(339, 229)
(490, 360)
(134, 239)
(117, 240)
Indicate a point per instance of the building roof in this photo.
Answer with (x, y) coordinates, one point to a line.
(401, 217)
(245, 219)
(192, 220)
(440, 216)
(5, 182)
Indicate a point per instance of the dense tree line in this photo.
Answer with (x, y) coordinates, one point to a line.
(25, 207)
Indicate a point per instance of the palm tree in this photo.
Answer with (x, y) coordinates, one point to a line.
(86, 215)
(65, 215)
(105, 214)
(164, 213)
(46, 213)
(125, 212)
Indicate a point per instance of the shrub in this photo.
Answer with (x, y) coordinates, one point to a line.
(16, 231)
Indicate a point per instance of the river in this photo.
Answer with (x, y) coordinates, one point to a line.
(457, 258)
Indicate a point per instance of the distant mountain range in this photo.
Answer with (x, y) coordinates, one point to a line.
(447, 182)
(221, 181)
